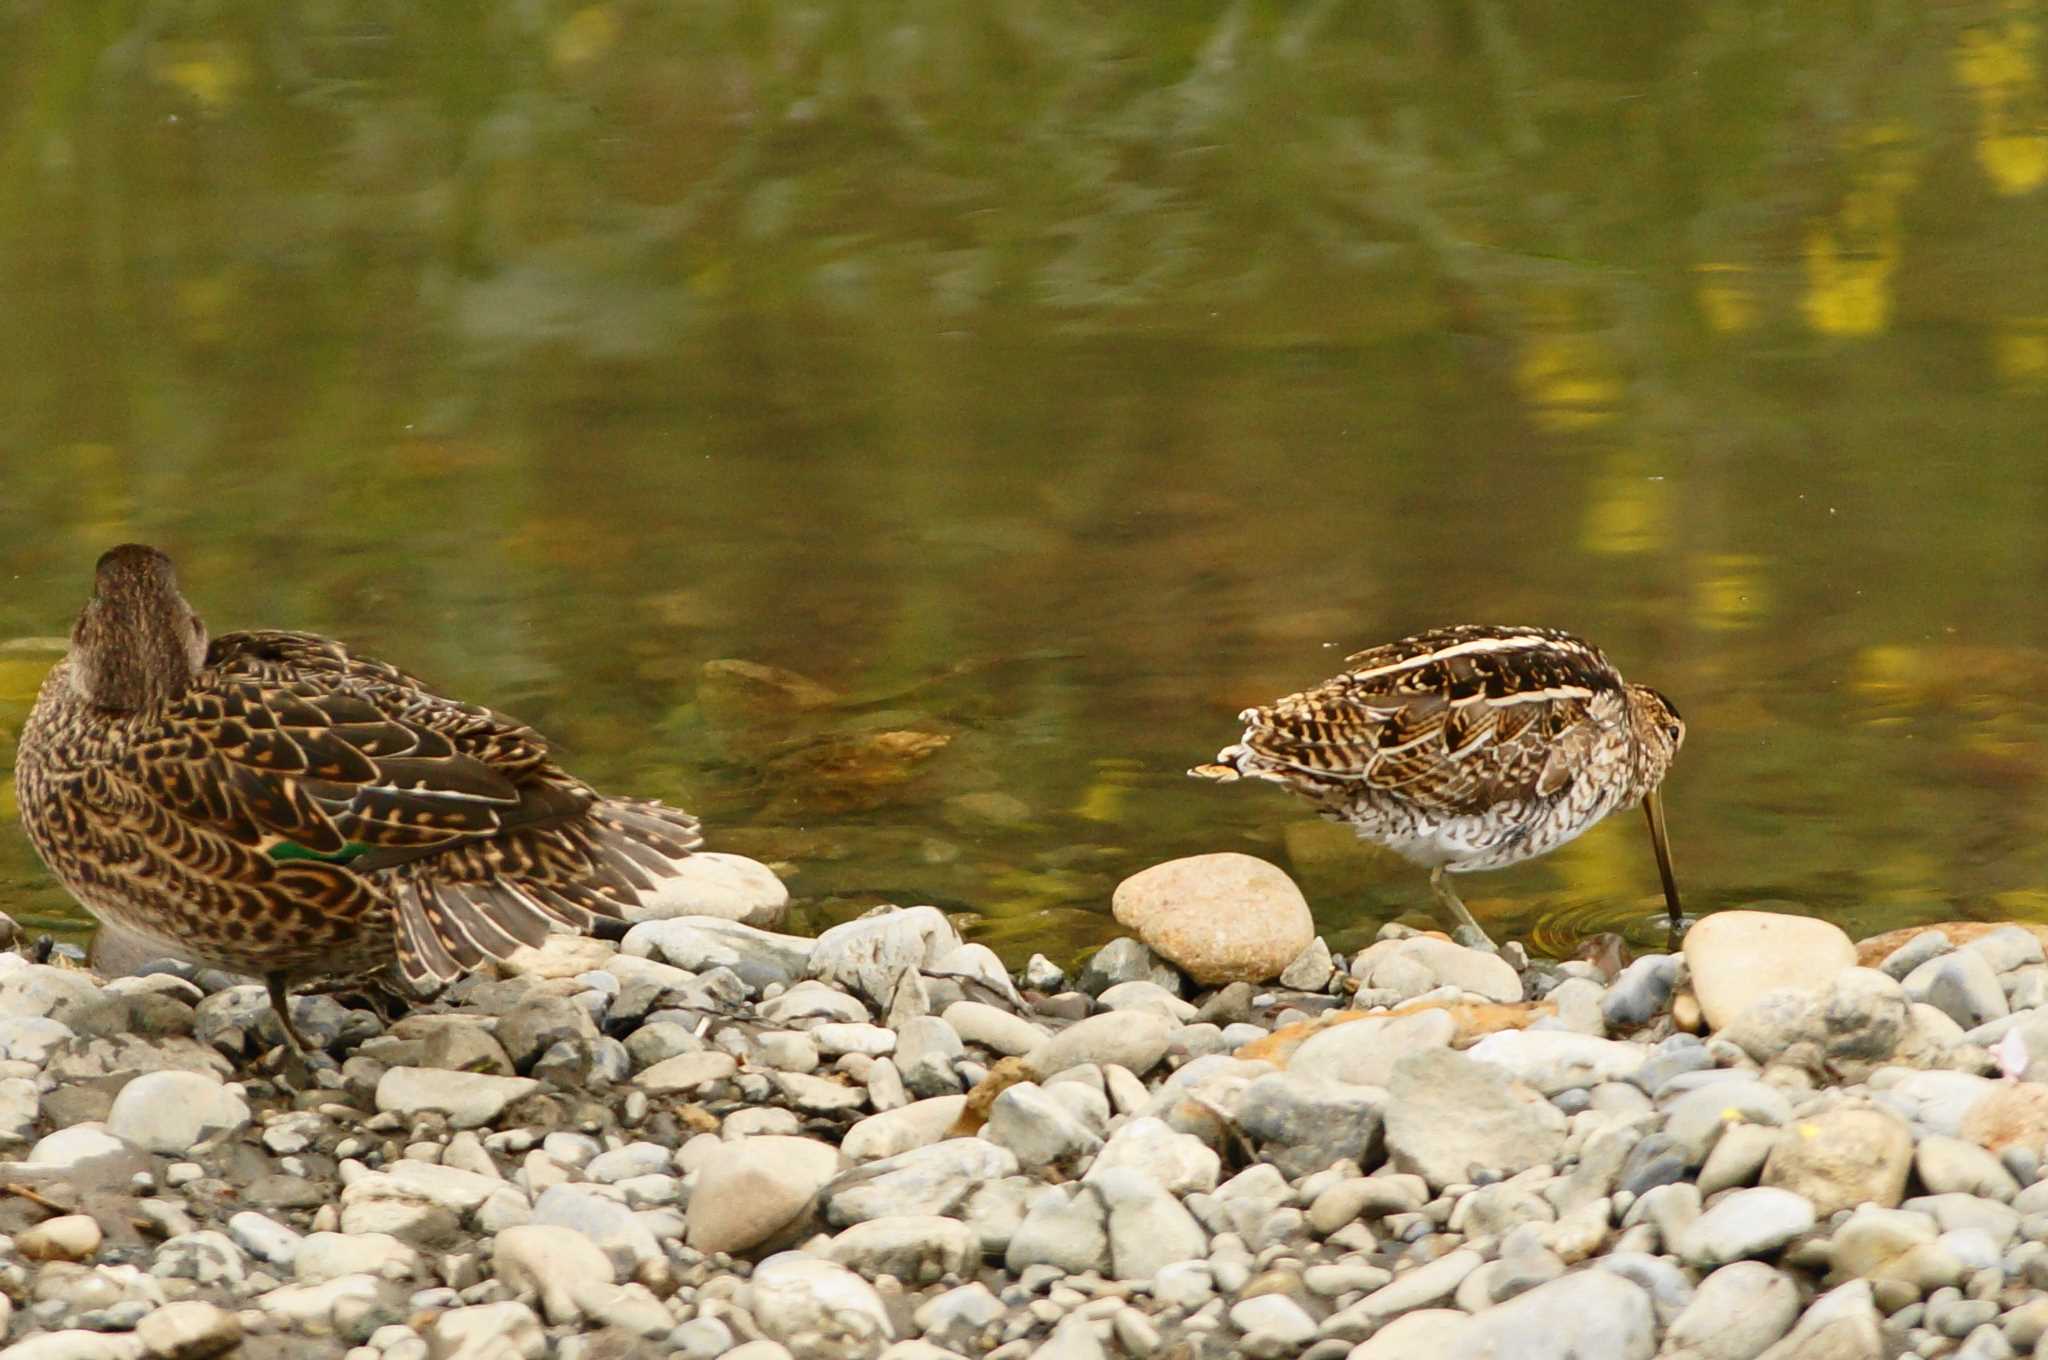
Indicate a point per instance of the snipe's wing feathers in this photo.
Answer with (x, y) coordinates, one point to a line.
(1451, 721)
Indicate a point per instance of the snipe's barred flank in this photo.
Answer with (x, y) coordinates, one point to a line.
(1469, 747)
(270, 803)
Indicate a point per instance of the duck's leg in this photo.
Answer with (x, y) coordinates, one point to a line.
(1468, 932)
(281, 1002)
(292, 1058)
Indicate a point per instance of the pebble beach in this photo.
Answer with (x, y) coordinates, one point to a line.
(1215, 1138)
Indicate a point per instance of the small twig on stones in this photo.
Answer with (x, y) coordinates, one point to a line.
(35, 1197)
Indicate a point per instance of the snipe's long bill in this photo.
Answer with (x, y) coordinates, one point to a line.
(1470, 747)
(274, 804)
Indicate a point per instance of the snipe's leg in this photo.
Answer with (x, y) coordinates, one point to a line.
(1653, 808)
(1469, 932)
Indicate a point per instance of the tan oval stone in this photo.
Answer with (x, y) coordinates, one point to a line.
(687, 1071)
(1842, 1158)
(1221, 918)
(1737, 956)
(72, 1237)
(901, 1129)
(2011, 1113)
(753, 1188)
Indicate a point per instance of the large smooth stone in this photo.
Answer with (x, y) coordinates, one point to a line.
(712, 884)
(1744, 1223)
(1426, 1331)
(1842, 1324)
(915, 1248)
(1737, 956)
(1736, 1312)
(1449, 1116)
(469, 1099)
(1133, 1040)
(1071, 1233)
(1222, 918)
(1841, 1158)
(1553, 1060)
(1443, 964)
(1577, 1316)
(497, 1330)
(752, 1188)
(170, 1112)
(1363, 1052)
(925, 1180)
(918, 1124)
(701, 943)
(869, 956)
(1149, 1229)
(792, 1294)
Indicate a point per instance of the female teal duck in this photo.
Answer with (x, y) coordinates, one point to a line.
(269, 803)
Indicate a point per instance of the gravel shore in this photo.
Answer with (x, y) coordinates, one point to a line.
(710, 1139)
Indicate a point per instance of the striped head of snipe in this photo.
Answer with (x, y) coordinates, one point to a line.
(1658, 734)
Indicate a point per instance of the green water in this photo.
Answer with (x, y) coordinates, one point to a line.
(1040, 383)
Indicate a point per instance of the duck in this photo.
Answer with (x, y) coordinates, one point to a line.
(277, 805)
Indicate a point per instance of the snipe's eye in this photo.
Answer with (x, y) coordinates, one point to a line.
(1674, 731)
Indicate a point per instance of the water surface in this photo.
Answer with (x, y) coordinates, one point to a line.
(1016, 393)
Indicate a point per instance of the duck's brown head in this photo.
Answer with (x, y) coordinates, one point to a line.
(136, 642)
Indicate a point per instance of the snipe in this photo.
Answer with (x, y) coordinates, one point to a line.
(1469, 748)
(270, 803)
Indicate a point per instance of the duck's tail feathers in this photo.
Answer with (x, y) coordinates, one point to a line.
(484, 899)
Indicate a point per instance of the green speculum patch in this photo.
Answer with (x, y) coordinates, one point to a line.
(288, 850)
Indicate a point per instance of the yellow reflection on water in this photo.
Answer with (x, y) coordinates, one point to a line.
(1731, 591)
(21, 677)
(1628, 508)
(1902, 868)
(2019, 353)
(1852, 255)
(1891, 675)
(2021, 904)
(1565, 372)
(211, 72)
(1107, 797)
(1725, 297)
(1998, 64)
(584, 36)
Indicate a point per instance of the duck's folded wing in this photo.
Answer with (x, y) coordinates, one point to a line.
(295, 747)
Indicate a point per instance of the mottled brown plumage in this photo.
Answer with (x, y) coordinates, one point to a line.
(1468, 747)
(270, 803)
